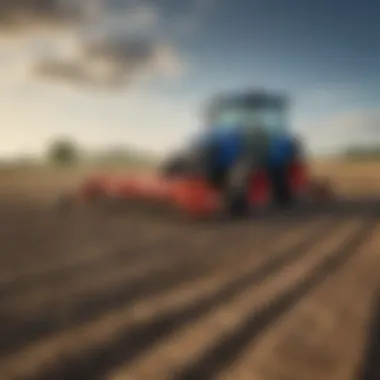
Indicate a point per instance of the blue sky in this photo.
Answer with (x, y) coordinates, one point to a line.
(325, 54)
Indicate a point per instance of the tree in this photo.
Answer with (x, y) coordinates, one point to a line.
(63, 152)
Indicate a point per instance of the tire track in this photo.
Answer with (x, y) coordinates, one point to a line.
(18, 234)
(92, 257)
(44, 298)
(133, 262)
(320, 338)
(96, 257)
(370, 366)
(60, 239)
(225, 351)
(132, 342)
(190, 340)
(184, 270)
(123, 276)
(107, 256)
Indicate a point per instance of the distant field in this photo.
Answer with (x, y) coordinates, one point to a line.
(351, 178)
(347, 177)
(46, 182)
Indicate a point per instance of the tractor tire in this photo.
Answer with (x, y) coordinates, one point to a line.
(237, 206)
(282, 193)
(236, 189)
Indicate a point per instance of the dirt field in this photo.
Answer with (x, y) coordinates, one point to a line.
(127, 297)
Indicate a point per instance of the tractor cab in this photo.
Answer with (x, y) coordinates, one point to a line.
(256, 121)
(251, 113)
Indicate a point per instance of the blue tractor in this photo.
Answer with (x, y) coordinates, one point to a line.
(245, 133)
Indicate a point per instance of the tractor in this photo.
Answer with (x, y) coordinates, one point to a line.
(245, 158)
(247, 154)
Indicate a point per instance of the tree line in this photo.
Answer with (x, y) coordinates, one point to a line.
(67, 153)
(362, 153)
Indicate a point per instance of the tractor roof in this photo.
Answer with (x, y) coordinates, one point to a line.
(250, 99)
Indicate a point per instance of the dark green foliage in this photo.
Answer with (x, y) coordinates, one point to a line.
(63, 153)
(363, 153)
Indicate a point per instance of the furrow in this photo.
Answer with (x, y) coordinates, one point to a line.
(148, 283)
(225, 351)
(321, 338)
(194, 339)
(369, 368)
(178, 306)
(105, 281)
(130, 259)
(94, 254)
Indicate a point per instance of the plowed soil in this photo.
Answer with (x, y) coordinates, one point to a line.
(97, 295)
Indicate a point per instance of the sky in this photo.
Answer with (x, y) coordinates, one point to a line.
(133, 72)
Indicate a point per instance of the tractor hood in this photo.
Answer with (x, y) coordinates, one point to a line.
(225, 144)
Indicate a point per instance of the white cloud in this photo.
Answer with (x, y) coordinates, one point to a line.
(114, 50)
(60, 48)
(111, 44)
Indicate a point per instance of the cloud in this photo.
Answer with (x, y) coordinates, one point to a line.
(24, 15)
(104, 43)
(110, 44)
(113, 62)
(69, 71)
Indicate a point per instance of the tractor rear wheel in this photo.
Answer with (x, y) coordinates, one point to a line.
(236, 189)
(237, 205)
(282, 192)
